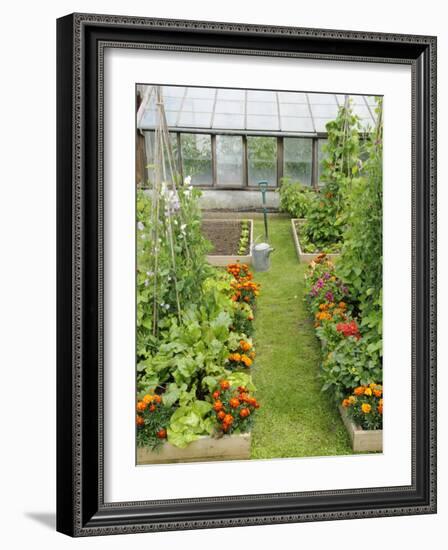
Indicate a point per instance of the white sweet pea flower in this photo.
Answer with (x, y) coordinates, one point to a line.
(187, 180)
(140, 226)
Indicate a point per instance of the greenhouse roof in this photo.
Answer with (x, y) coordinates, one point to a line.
(246, 111)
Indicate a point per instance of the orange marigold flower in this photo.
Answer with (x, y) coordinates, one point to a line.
(152, 408)
(217, 406)
(380, 409)
(225, 384)
(157, 399)
(139, 420)
(345, 403)
(228, 419)
(216, 394)
(366, 408)
(244, 345)
(221, 415)
(161, 434)
(252, 355)
(359, 390)
(141, 406)
(342, 305)
(234, 402)
(246, 360)
(244, 412)
(377, 393)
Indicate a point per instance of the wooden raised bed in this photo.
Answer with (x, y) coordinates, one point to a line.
(204, 449)
(305, 257)
(225, 259)
(362, 440)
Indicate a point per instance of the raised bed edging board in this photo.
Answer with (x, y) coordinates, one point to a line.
(206, 448)
(362, 440)
(222, 260)
(303, 256)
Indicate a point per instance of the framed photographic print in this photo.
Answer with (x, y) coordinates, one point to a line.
(246, 274)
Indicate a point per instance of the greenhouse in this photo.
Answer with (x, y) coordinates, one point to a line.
(229, 139)
(258, 274)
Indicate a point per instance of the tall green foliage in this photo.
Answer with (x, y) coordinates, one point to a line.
(171, 264)
(361, 263)
(327, 213)
(295, 198)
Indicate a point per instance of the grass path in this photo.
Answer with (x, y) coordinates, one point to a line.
(295, 418)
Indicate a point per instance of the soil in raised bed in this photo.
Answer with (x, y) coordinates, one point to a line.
(224, 235)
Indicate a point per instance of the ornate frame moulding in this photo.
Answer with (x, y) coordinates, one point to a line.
(81, 40)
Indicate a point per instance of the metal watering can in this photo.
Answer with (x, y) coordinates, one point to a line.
(260, 256)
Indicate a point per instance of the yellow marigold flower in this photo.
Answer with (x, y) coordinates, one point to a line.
(366, 408)
(147, 398)
(352, 400)
(367, 391)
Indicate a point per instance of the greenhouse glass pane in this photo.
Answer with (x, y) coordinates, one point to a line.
(230, 107)
(292, 97)
(171, 117)
(325, 111)
(294, 109)
(362, 111)
(229, 160)
(298, 159)
(262, 159)
(261, 108)
(261, 95)
(231, 94)
(296, 124)
(148, 120)
(341, 99)
(322, 99)
(228, 122)
(321, 123)
(150, 145)
(197, 158)
(201, 93)
(172, 103)
(195, 120)
(173, 91)
(260, 122)
(199, 105)
(371, 100)
(321, 156)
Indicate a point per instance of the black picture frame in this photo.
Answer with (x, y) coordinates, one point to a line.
(81, 40)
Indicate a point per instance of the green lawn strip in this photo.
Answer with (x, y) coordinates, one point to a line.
(295, 418)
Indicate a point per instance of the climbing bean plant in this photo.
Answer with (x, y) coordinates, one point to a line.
(327, 213)
(361, 263)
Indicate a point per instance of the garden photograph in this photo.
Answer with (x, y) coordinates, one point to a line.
(259, 274)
